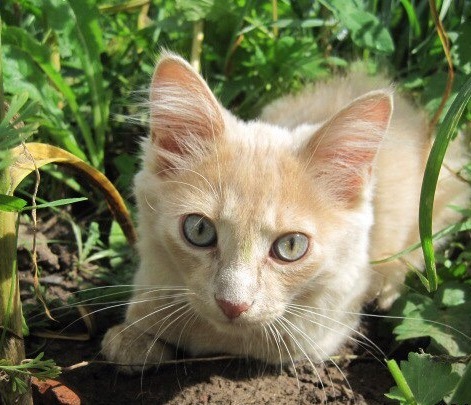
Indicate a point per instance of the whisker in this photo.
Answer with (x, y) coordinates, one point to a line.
(390, 317)
(150, 289)
(276, 340)
(162, 308)
(353, 330)
(287, 350)
(311, 342)
(115, 304)
(282, 321)
(159, 334)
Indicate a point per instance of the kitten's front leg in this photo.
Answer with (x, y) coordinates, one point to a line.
(133, 349)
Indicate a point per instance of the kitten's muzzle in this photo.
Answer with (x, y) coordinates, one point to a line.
(232, 310)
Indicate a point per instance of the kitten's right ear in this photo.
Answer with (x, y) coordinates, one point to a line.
(182, 108)
(343, 150)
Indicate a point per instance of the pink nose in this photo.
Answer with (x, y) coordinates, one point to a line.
(232, 310)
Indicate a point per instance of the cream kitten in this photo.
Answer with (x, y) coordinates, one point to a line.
(255, 237)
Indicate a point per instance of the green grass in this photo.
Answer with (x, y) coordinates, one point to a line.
(74, 68)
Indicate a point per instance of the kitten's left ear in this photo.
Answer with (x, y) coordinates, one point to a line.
(182, 107)
(343, 150)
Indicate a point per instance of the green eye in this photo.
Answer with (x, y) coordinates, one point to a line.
(290, 247)
(199, 231)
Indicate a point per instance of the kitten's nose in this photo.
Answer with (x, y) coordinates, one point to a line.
(232, 310)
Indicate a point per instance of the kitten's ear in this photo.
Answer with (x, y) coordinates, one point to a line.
(182, 107)
(343, 150)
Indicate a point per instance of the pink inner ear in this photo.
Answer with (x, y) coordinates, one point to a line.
(168, 70)
(344, 149)
(182, 108)
(178, 72)
(377, 111)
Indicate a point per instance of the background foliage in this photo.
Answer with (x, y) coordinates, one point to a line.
(84, 66)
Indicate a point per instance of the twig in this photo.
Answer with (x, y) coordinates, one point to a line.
(451, 74)
(197, 44)
(2, 95)
(34, 253)
(274, 4)
(162, 363)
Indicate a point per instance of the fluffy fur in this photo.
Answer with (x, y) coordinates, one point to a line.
(333, 163)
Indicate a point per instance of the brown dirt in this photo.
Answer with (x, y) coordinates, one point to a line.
(359, 379)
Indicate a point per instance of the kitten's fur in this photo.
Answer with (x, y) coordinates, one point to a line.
(329, 163)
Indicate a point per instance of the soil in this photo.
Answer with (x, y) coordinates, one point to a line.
(356, 377)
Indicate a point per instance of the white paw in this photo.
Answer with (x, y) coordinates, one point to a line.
(132, 349)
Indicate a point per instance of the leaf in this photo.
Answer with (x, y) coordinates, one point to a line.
(429, 379)
(11, 204)
(366, 30)
(77, 22)
(448, 327)
(44, 154)
(453, 293)
(12, 127)
(22, 75)
(41, 55)
(461, 51)
(194, 10)
(56, 203)
(462, 393)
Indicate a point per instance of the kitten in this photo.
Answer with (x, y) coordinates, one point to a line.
(255, 237)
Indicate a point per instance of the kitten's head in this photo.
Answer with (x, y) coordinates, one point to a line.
(249, 216)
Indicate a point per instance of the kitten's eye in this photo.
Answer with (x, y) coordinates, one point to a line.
(290, 247)
(199, 231)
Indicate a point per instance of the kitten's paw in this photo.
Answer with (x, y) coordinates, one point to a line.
(132, 349)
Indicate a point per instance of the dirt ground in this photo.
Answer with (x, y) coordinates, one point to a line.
(356, 378)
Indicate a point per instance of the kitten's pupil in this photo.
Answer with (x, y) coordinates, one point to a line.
(201, 227)
(199, 230)
(291, 243)
(290, 247)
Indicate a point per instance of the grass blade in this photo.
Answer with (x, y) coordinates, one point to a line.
(432, 171)
(76, 22)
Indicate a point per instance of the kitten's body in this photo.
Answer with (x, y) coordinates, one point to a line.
(312, 173)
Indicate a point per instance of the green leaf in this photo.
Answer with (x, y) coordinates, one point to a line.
(448, 327)
(23, 75)
(41, 55)
(56, 203)
(429, 379)
(194, 10)
(77, 22)
(12, 134)
(11, 204)
(366, 30)
(462, 393)
(453, 293)
(461, 51)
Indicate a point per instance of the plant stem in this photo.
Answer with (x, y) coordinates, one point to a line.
(274, 4)
(2, 96)
(446, 49)
(11, 347)
(401, 382)
(197, 44)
